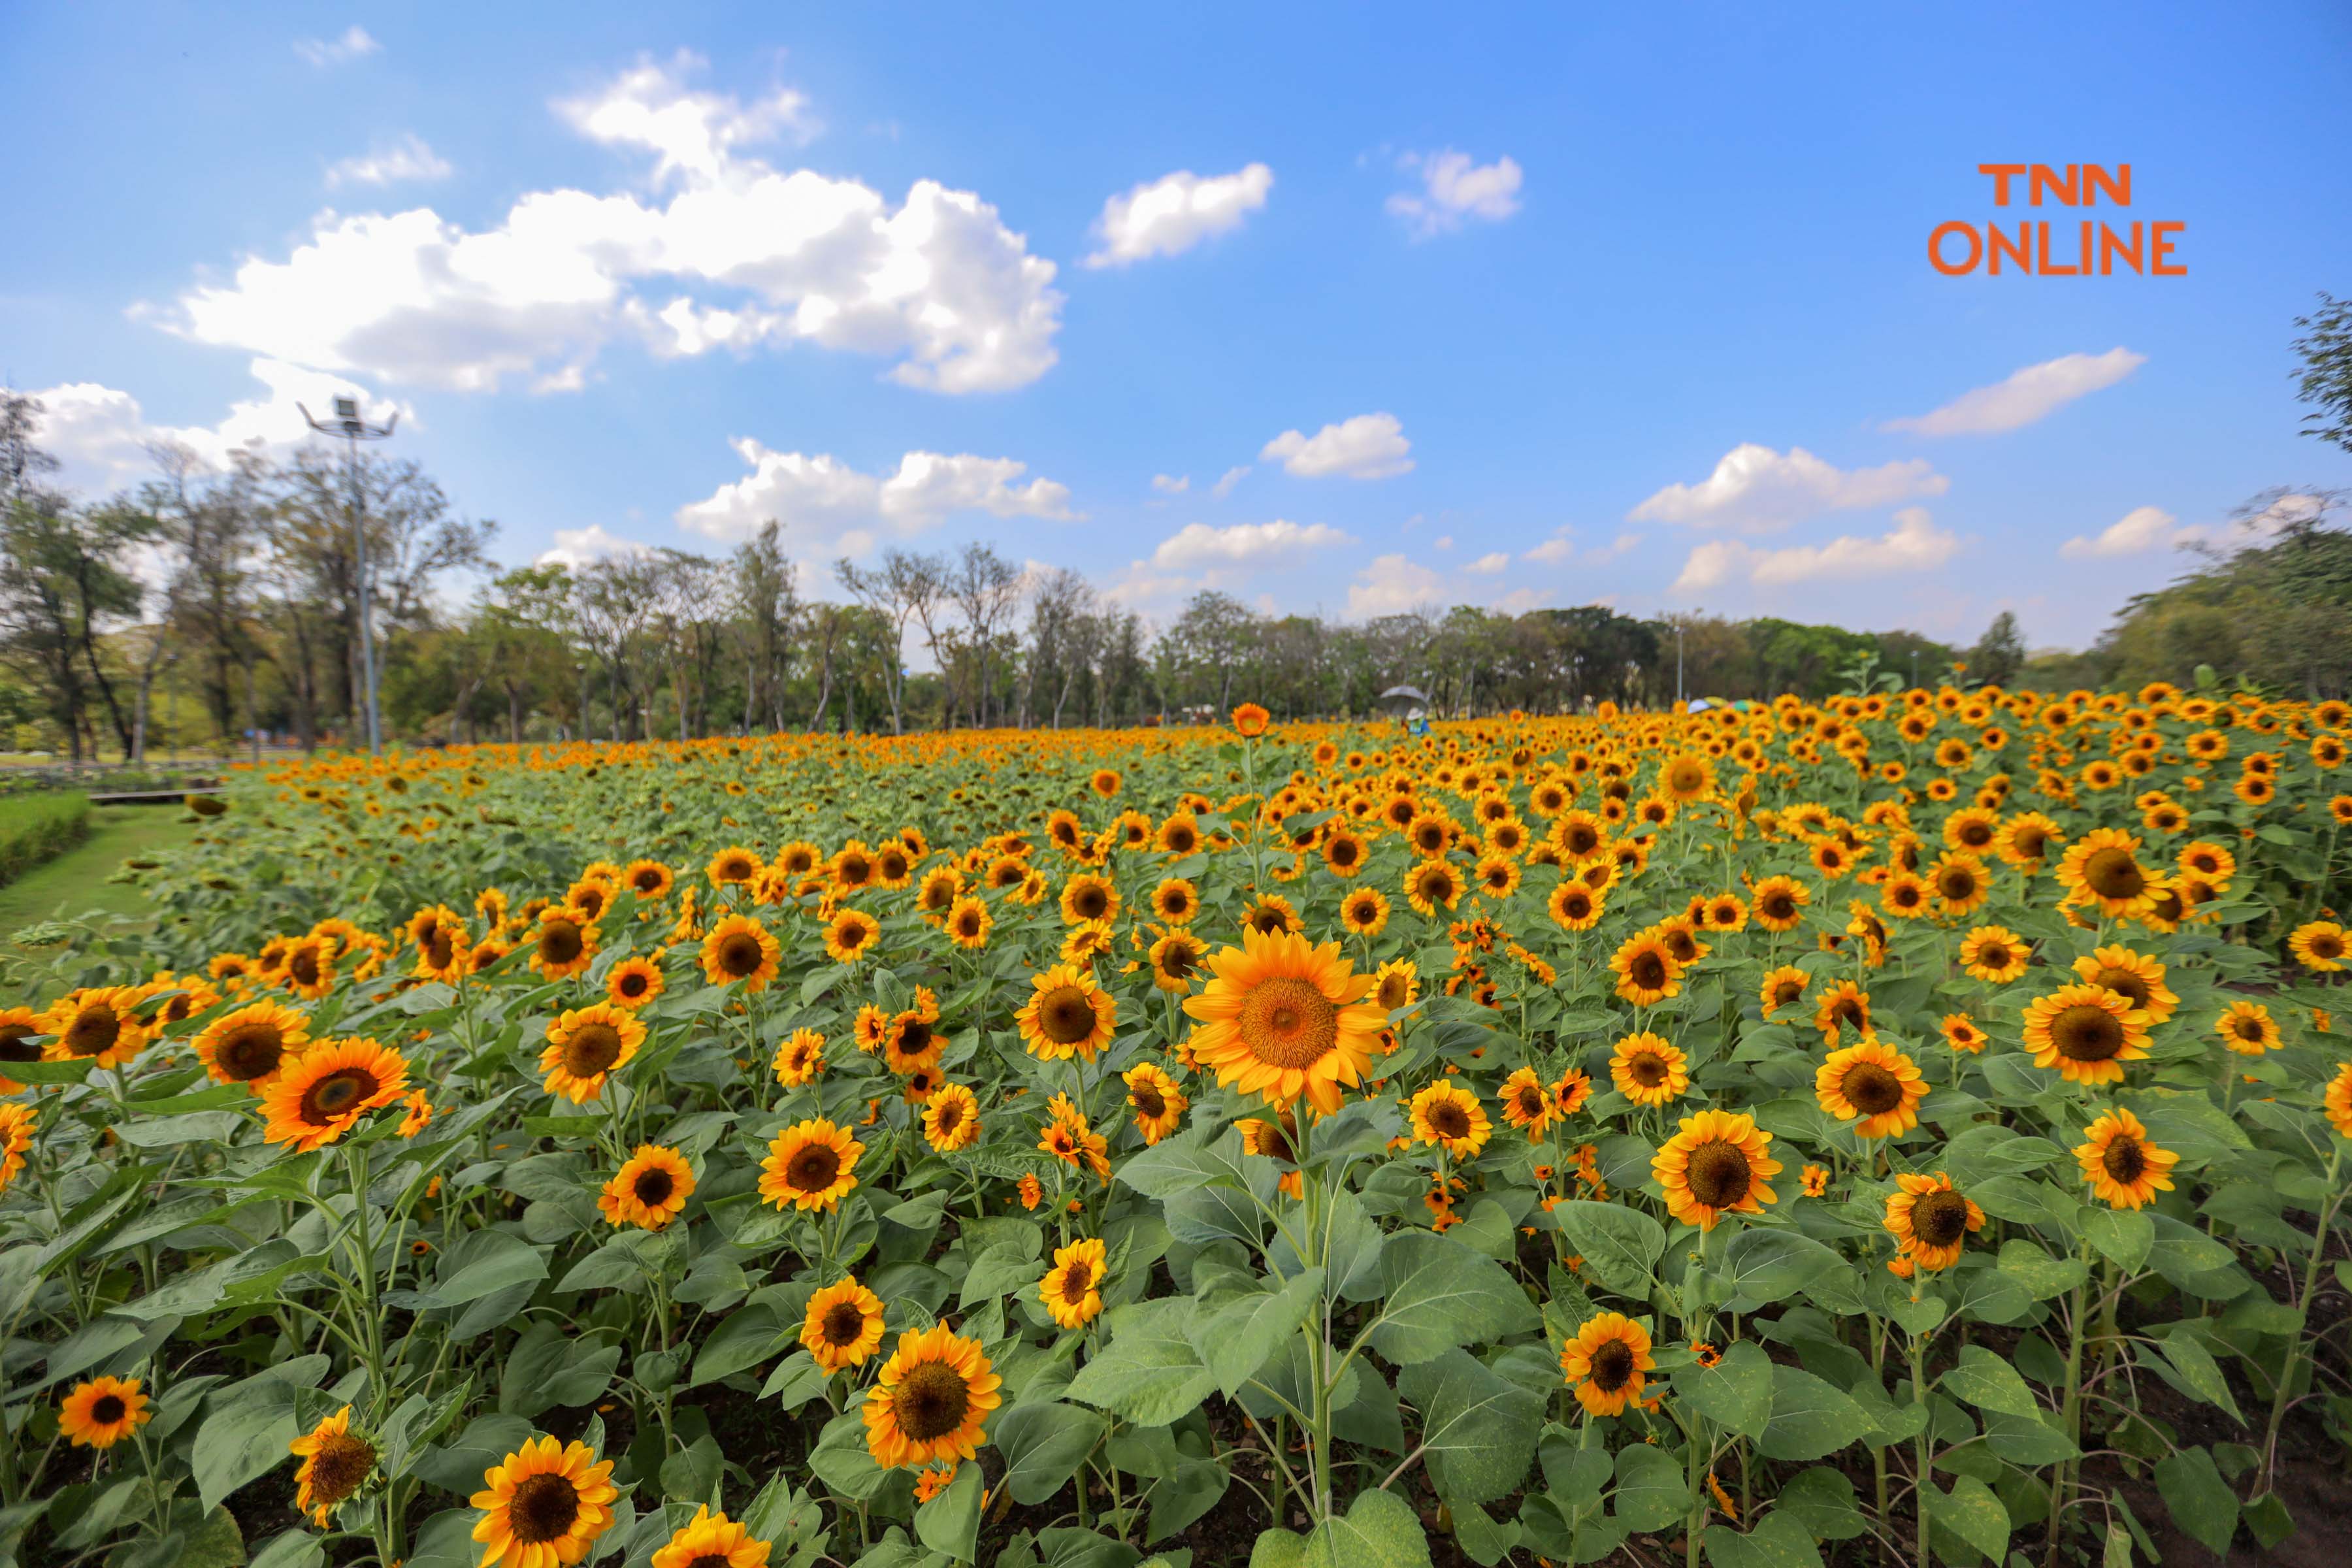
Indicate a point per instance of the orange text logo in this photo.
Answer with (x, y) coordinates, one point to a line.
(2057, 247)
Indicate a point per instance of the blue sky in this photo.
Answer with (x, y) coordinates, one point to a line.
(1562, 305)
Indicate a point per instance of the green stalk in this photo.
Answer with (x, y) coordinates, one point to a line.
(2296, 1351)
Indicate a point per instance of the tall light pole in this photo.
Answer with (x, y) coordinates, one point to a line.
(353, 430)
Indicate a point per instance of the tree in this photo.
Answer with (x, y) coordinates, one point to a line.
(2326, 379)
(2000, 654)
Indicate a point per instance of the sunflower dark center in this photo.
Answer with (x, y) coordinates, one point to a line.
(250, 1050)
(15, 1044)
(634, 984)
(1090, 902)
(2114, 874)
(1648, 1069)
(336, 1094)
(544, 1508)
(342, 1462)
(741, 954)
(2087, 1034)
(1719, 1174)
(930, 1401)
(592, 1048)
(1778, 906)
(304, 965)
(851, 934)
(1957, 883)
(1448, 1120)
(1148, 1101)
(1647, 970)
(1994, 955)
(814, 1168)
(1076, 1280)
(1612, 1366)
(844, 1325)
(93, 1030)
(2125, 1159)
(560, 942)
(1940, 1218)
(1872, 1089)
(854, 871)
(1066, 1017)
(107, 1409)
(655, 1186)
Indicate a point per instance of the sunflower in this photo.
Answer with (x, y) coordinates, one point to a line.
(649, 1191)
(1995, 954)
(2026, 839)
(1646, 968)
(711, 1541)
(1648, 1070)
(1779, 903)
(843, 1326)
(565, 945)
(2103, 867)
(1528, 1105)
(1395, 984)
(17, 1122)
(442, 942)
(912, 1044)
(1159, 1101)
(1961, 1033)
(967, 923)
(1784, 987)
(103, 1411)
(1842, 1006)
(650, 880)
(1176, 900)
(930, 1400)
(250, 1044)
(1250, 721)
(2337, 1101)
(740, 948)
(1930, 1219)
(951, 1118)
(1872, 1084)
(1605, 1363)
(321, 1095)
(2122, 1168)
(309, 966)
(1087, 896)
(336, 1462)
(1961, 881)
(545, 1505)
(1272, 915)
(1365, 912)
(1343, 852)
(810, 1165)
(2134, 976)
(99, 1024)
(1067, 1015)
(1451, 1119)
(1175, 957)
(2248, 1028)
(1716, 1163)
(1432, 884)
(1088, 940)
(733, 866)
(2319, 946)
(1573, 906)
(2086, 1033)
(1072, 1287)
(851, 933)
(1569, 1093)
(1282, 1019)
(633, 983)
(587, 1045)
(1904, 895)
(800, 1059)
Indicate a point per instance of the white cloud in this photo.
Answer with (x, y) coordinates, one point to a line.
(1755, 489)
(1454, 190)
(1169, 215)
(1914, 544)
(1391, 586)
(576, 547)
(1368, 447)
(2142, 529)
(390, 163)
(1197, 546)
(1554, 551)
(1560, 549)
(938, 284)
(1171, 484)
(324, 52)
(831, 507)
(2024, 396)
(1228, 479)
(1442, 541)
(2145, 529)
(1490, 563)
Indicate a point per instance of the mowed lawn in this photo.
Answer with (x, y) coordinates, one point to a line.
(76, 882)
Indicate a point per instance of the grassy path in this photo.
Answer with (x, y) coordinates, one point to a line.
(75, 882)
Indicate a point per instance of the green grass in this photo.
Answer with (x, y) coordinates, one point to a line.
(75, 882)
(37, 827)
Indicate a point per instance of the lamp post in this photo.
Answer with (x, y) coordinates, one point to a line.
(353, 430)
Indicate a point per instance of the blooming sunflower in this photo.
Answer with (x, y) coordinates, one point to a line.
(1843, 1007)
(1961, 1033)
(1432, 884)
(1783, 987)
(810, 1165)
(16, 1123)
(800, 1059)
(2103, 867)
(1175, 901)
(565, 945)
(1606, 1362)
(1526, 1104)
(543, 1505)
(1067, 1014)
(930, 1401)
(650, 1190)
(1645, 968)
(650, 880)
(336, 1462)
(1395, 984)
(851, 935)
(740, 948)
(1569, 1093)
(2086, 1033)
(1088, 940)
(1158, 1101)
(711, 1541)
(1087, 896)
(2337, 1101)
(2319, 946)
(1873, 1085)
(733, 866)
(1715, 1164)
(249, 1044)
(1284, 1018)
(1961, 881)
(967, 923)
(99, 1024)
(843, 1325)
(1574, 906)
(1250, 721)
(1175, 957)
(2248, 1028)
(103, 1411)
(321, 1095)
(1072, 1287)
(1451, 1119)
(2122, 1169)
(1994, 954)
(633, 983)
(585, 1046)
(2134, 976)
(1930, 1219)
(1648, 1070)
(1779, 903)
(951, 1118)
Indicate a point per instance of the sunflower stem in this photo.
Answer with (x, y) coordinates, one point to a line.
(2299, 1346)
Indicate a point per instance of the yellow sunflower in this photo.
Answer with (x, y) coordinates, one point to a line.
(650, 1190)
(711, 1541)
(1715, 1164)
(2248, 1028)
(1930, 1219)
(2337, 1101)
(733, 866)
(852, 933)
(633, 983)
(98, 1024)
(843, 1326)
(1395, 984)
(565, 945)
(1783, 987)
(1087, 896)
(1648, 1070)
(251, 1043)
(1176, 900)
(1072, 1287)
(951, 1118)
(740, 948)
(103, 1411)
(16, 1123)
(1067, 1015)
(930, 1401)
(2122, 1168)
(2086, 1033)
(336, 1462)
(969, 923)
(2134, 976)
(1873, 1085)
(1779, 903)
(1526, 1104)
(1157, 1101)
(1431, 885)
(1284, 1018)
(2103, 867)
(1646, 968)
(810, 1165)
(585, 1046)
(2319, 946)
(1994, 954)
(1175, 958)
(545, 1505)
(1451, 1119)
(321, 1095)
(800, 1059)
(1606, 1362)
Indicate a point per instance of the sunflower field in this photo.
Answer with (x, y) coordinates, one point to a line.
(1904, 1129)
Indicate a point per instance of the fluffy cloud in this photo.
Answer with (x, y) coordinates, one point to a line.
(1487, 565)
(2024, 396)
(1171, 484)
(1198, 547)
(325, 52)
(101, 435)
(1454, 190)
(1560, 549)
(1169, 215)
(828, 505)
(1755, 489)
(2142, 529)
(392, 163)
(1390, 585)
(938, 283)
(1368, 447)
(1914, 544)
(2145, 529)
(1228, 479)
(577, 547)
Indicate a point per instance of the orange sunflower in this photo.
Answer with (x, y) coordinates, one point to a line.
(711, 1541)
(1158, 1101)
(930, 1401)
(585, 1046)
(545, 1505)
(2086, 1033)
(951, 1118)
(740, 948)
(1649, 1070)
(336, 1462)
(251, 1043)
(1930, 1219)
(1072, 1287)
(1715, 1164)
(2134, 976)
(810, 1165)
(1606, 1362)
(2121, 1167)
(650, 1190)
(1451, 1119)
(1284, 1018)
(1874, 1086)
(103, 1411)
(98, 1024)
(1067, 1014)
(843, 1326)
(322, 1094)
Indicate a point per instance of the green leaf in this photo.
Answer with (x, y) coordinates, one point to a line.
(950, 1522)
(796, 1380)
(1381, 1530)
(2199, 1501)
(1652, 1490)
(1241, 1335)
(2201, 1375)
(1736, 1393)
(484, 1263)
(749, 1336)
(2031, 1265)
(1150, 1373)
(1765, 1266)
(1822, 1499)
(1043, 1445)
(1442, 1294)
(1780, 1542)
(2123, 1236)
(1620, 1245)
(1479, 1430)
(547, 1368)
(1000, 1270)
(1984, 1380)
(1970, 1511)
(1810, 1418)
